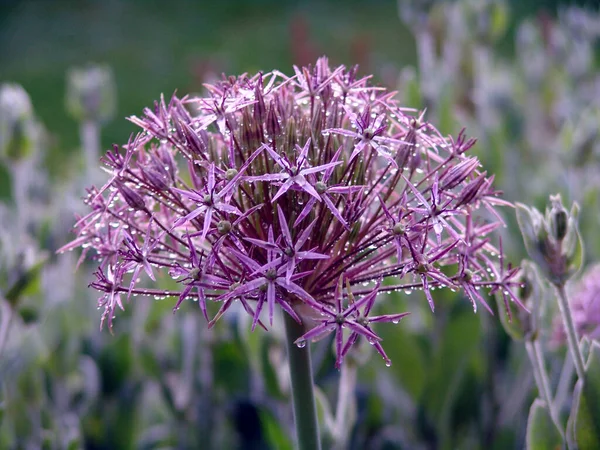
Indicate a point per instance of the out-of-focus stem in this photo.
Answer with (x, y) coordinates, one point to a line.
(564, 383)
(427, 62)
(5, 321)
(303, 397)
(541, 379)
(89, 133)
(571, 331)
(347, 384)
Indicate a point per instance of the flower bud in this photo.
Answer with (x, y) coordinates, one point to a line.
(558, 218)
(131, 197)
(91, 93)
(17, 124)
(259, 106)
(166, 158)
(156, 179)
(553, 241)
(273, 126)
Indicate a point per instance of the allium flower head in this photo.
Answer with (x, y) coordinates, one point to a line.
(314, 194)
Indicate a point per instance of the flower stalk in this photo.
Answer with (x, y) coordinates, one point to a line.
(570, 330)
(542, 381)
(303, 397)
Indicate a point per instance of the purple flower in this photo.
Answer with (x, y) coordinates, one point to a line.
(272, 189)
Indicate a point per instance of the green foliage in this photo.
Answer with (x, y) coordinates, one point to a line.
(541, 432)
(585, 414)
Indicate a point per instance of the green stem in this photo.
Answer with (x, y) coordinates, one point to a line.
(5, 322)
(572, 338)
(303, 397)
(344, 417)
(541, 379)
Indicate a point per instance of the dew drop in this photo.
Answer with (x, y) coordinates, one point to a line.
(301, 343)
(388, 363)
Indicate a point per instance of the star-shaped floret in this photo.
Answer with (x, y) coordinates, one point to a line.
(293, 175)
(325, 193)
(351, 318)
(109, 284)
(268, 284)
(291, 253)
(193, 276)
(136, 258)
(369, 133)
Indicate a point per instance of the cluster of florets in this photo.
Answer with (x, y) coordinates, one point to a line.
(312, 193)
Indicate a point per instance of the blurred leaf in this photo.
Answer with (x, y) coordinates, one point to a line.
(499, 19)
(459, 339)
(115, 363)
(276, 435)
(406, 353)
(325, 416)
(5, 185)
(446, 122)
(231, 366)
(269, 376)
(149, 361)
(541, 432)
(585, 415)
(28, 283)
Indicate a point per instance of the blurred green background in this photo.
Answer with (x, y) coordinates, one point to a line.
(158, 47)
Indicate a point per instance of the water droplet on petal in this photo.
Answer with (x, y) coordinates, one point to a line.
(301, 343)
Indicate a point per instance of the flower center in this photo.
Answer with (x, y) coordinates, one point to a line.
(467, 276)
(399, 229)
(224, 227)
(423, 268)
(207, 200)
(320, 187)
(271, 274)
(230, 174)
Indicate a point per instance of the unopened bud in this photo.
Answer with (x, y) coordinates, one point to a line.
(131, 197)
(156, 179)
(273, 125)
(91, 93)
(17, 124)
(553, 241)
(558, 218)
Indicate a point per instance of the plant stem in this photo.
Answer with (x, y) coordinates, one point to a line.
(303, 397)
(345, 407)
(564, 383)
(89, 133)
(541, 379)
(572, 338)
(5, 321)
